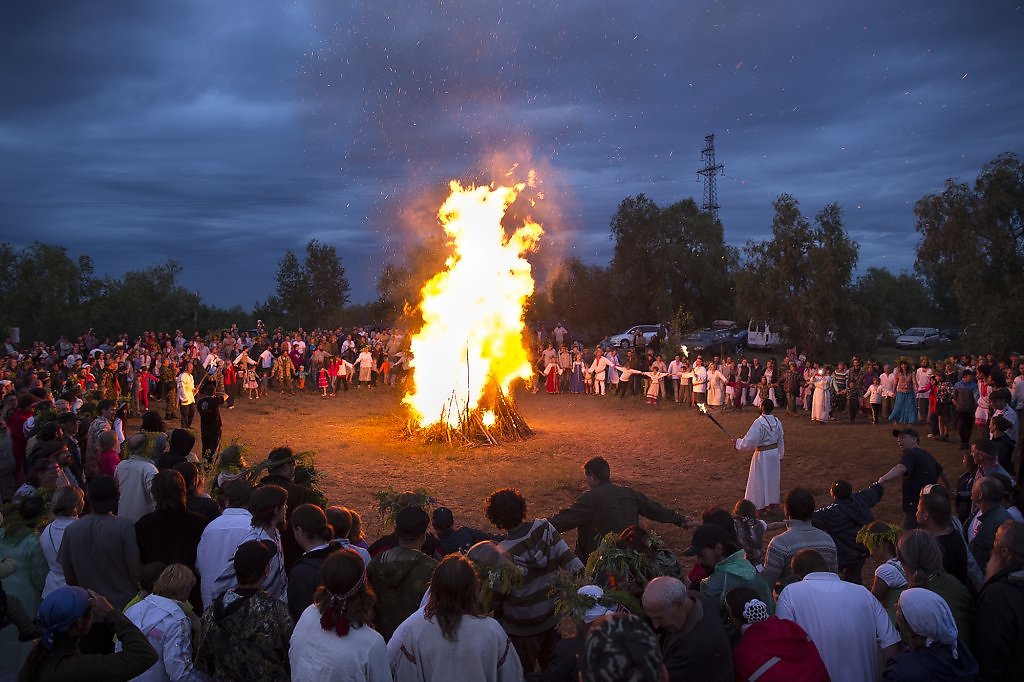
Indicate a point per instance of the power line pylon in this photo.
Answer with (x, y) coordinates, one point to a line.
(709, 170)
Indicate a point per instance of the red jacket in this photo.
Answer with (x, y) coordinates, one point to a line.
(798, 659)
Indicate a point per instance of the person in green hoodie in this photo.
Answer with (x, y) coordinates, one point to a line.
(400, 575)
(727, 567)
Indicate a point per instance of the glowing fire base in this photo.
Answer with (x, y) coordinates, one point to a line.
(500, 423)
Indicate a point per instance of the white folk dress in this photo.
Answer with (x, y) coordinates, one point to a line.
(765, 436)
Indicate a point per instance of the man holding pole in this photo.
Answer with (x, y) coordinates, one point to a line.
(766, 438)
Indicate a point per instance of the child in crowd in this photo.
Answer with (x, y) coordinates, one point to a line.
(321, 382)
(251, 384)
(750, 531)
(302, 373)
(874, 398)
(890, 579)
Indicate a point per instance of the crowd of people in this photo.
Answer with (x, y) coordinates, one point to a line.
(160, 555)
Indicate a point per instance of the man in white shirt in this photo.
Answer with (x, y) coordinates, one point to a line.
(888, 383)
(845, 621)
(700, 382)
(221, 537)
(675, 370)
(186, 396)
(923, 377)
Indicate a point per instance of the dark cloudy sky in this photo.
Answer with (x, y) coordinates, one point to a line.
(221, 133)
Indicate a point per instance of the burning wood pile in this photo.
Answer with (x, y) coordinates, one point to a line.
(502, 424)
(470, 348)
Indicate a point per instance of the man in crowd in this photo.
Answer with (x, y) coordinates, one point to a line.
(988, 515)
(725, 563)
(694, 644)
(845, 621)
(99, 553)
(918, 469)
(209, 418)
(800, 534)
(282, 473)
(999, 614)
(186, 396)
(222, 536)
(608, 508)
(843, 519)
(528, 612)
(400, 575)
(766, 438)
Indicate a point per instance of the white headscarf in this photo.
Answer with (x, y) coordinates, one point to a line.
(597, 609)
(928, 615)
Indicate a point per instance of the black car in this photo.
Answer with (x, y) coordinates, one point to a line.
(719, 342)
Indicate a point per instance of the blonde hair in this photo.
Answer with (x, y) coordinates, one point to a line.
(175, 582)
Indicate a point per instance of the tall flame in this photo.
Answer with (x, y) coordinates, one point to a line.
(473, 310)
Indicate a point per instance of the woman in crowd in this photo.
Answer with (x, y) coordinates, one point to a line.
(934, 651)
(921, 558)
(66, 505)
(162, 617)
(770, 649)
(454, 641)
(333, 638)
(904, 411)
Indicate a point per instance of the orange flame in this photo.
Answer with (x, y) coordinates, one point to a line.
(473, 310)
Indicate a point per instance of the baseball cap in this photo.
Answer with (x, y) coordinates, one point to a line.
(443, 518)
(906, 432)
(707, 535)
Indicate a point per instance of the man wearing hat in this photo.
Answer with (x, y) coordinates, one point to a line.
(918, 469)
(66, 617)
(282, 473)
(400, 575)
(99, 552)
(726, 565)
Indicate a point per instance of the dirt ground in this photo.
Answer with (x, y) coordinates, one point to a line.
(672, 454)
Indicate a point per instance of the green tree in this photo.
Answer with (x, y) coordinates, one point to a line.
(576, 296)
(44, 290)
(971, 252)
(801, 278)
(893, 299)
(667, 257)
(314, 292)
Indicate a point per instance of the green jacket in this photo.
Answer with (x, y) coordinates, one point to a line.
(608, 508)
(66, 662)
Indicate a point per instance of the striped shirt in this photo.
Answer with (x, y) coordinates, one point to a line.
(782, 548)
(539, 549)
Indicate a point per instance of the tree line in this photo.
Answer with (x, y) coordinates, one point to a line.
(669, 264)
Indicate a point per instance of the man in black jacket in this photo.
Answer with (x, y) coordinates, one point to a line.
(842, 519)
(999, 614)
(608, 508)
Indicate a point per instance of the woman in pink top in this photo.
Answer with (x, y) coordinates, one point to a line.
(109, 458)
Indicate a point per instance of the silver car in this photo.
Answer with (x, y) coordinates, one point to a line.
(918, 337)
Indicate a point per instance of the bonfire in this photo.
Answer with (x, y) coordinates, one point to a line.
(470, 348)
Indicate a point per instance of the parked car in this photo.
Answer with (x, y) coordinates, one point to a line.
(739, 339)
(918, 337)
(889, 333)
(710, 340)
(950, 334)
(625, 339)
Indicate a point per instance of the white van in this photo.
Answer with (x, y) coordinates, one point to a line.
(761, 334)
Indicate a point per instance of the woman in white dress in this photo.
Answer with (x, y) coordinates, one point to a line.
(716, 386)
(821, 403)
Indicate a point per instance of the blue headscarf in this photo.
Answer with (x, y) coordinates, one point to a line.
(59, 611)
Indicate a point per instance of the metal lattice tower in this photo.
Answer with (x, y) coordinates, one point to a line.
(709, 171)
